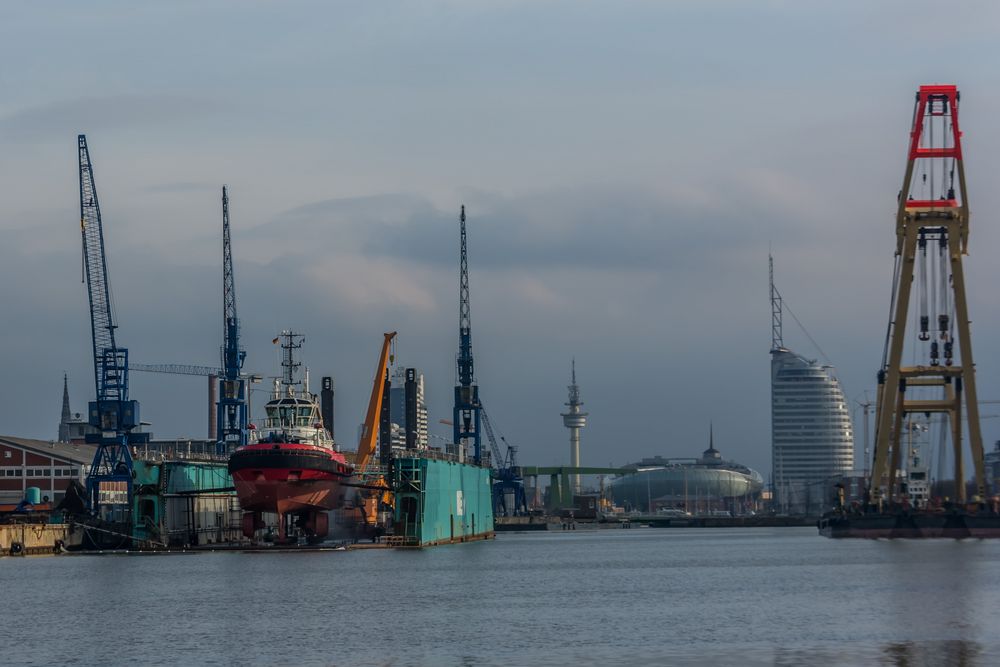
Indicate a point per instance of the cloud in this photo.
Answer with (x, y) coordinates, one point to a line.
(53, 121)
(181, 187)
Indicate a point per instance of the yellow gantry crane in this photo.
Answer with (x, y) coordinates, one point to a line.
(932, 235)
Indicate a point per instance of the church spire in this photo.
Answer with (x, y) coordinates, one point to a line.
(66, 414)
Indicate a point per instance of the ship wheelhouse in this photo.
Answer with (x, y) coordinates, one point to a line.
(291, 412)
(293, 418)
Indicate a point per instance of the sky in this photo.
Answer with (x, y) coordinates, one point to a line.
(626, 168)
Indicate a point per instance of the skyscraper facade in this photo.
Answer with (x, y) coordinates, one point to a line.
(812, 439)
(811, 433)
(408, 409)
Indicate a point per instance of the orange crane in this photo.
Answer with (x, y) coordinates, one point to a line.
(369, 434)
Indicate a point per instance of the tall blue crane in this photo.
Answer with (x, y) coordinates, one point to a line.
(232, 416)
(467, 406)
(109, 482)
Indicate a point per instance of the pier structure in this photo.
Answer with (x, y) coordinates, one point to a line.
(574, 419)
(560, 480)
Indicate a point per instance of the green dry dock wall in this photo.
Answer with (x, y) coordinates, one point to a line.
(441, 501)
(201, 514)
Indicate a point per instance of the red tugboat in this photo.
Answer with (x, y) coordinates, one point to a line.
(291, 466)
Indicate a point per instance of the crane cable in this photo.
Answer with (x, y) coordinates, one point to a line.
(922, 285)
(892, 309)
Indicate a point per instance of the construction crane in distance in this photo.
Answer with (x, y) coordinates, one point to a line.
(232, 418)
(109, 482)
(467, 410)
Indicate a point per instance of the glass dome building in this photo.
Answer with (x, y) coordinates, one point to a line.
(705, 485)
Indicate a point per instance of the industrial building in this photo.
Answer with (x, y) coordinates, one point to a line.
(43, 464)
(811, 434)
(701, 486)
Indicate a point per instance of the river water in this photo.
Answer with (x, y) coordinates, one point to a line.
(731, 596)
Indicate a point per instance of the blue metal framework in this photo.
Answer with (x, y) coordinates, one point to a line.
(112, 413)
(509, 498)
(232, 418)
(467, 418)
(175, 369)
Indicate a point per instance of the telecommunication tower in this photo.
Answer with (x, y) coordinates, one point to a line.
(574, 420)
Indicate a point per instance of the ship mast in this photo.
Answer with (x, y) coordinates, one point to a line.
(290, 342)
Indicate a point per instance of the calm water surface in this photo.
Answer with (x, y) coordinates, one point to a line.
(611, 597)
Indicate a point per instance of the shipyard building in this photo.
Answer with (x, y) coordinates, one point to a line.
(811, 434)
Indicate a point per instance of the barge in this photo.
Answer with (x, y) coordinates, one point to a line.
(954, 523)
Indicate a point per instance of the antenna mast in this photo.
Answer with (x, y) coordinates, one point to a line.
(777, 342)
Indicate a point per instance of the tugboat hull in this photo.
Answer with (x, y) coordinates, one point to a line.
(288, 479)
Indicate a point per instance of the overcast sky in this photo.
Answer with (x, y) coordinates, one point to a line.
(625, 167)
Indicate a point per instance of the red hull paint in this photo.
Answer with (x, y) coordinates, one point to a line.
(288, 477)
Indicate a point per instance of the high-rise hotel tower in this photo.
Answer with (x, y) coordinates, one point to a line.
(811, 434)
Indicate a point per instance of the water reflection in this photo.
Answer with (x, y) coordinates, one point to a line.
(956, 652)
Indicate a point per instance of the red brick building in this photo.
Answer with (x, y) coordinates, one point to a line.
(48, 465)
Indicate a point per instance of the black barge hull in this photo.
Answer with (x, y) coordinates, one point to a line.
(911, 525)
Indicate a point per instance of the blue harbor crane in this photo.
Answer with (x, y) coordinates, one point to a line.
(109, 482)
(467, 406)
(232, 418)
(509, 498)
(470, 416)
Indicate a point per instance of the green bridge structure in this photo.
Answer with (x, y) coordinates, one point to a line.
(560, 489)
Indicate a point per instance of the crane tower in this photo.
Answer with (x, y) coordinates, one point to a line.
(467, 418)
(232, 418)
(109, 482)
(932, 235)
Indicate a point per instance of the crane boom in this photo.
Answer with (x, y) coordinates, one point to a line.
(232, 417)
(175, 369)
(369, 432)
(467, 409)
(102, 324)
(109, 482)
(499, 460)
